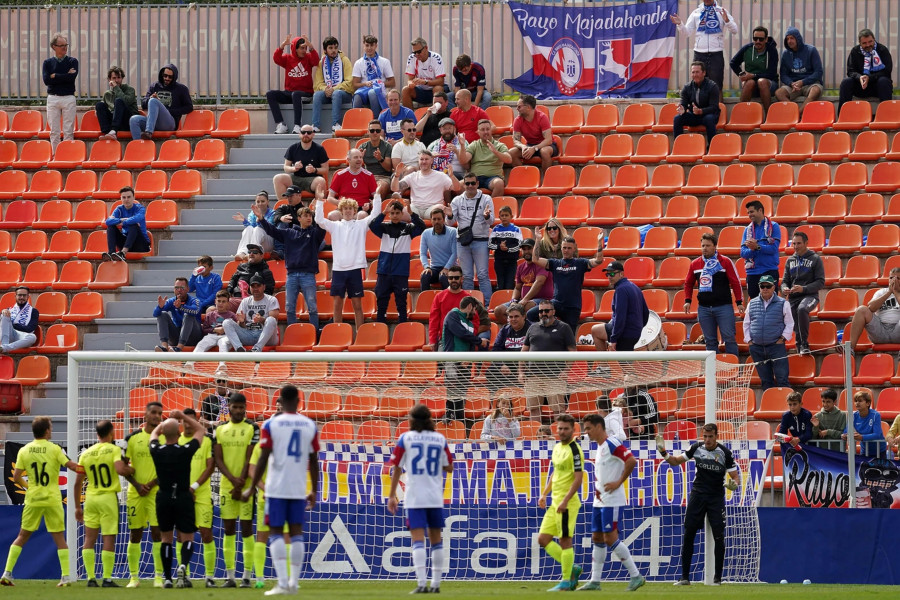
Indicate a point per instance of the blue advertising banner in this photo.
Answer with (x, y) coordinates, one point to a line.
(818, 478)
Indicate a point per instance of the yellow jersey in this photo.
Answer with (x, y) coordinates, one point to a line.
(567, 459)
(41, 460)
(99, 462)
(234, 439)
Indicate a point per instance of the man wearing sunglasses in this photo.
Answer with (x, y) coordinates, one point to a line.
(768, 326)
(305, 165)
(426, 73)
(166, 102)
(756, 65)
(59, 73)
(377, 157)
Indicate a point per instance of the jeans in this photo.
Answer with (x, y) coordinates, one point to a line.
(304, 283)
(113, 120)
(276, 97)
(709, 120)
(385, 285)
(13, 339)
(474, 260)
(485, 100)
(187, 335)
(370, 98)
(771, 364)
(801, 306)
(753, 282)
(61, 106)
(240, 336)
(430, 277)
(506, 274)
(134, 241)
(158, 117)
(710, 318)
(338, 98)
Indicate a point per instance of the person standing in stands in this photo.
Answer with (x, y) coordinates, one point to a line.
(445, 301)
(717, 281)
(394, 257)
(204, 283)
(759, 248)
(59, 74)
(710, 22)
(166, 102)
(804, 276)
(298, 58)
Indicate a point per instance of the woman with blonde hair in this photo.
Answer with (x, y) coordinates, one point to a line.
(501, 425)
(253, 233)
(549, 239)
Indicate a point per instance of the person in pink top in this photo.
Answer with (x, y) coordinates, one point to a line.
(532, 134)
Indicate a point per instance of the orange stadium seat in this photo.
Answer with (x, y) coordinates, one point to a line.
(866, 208)
(89, 214)
(54, 214)
(782, 116)
(502, 118)
(724, 148)
(573, 210)
(407, 337)
(208, 153)
(601, 118)
(621, 241)
(657, 300)
(335, 337)
(51, 306)
(672, 271)
(829, 208)
(855, 115)
(659, 241)
(817, 116)
(63, 245)
(652, 148)
(681, 210)
(812, 178)
(849, 177)
(558, 180)
(834, 146)
(791, 209)
(894, 152)
(150, 183)
(298, 337)
(422, 309)
(608, 210)
(111, 182)
(775, 179)
(20, 214)
(173, 154)
(822, 335)
(586, 240)
(233, 123)
(615, 149)
(161, 214)
(689, 148)
(5, 242)
(730, 239)
(738, 179)
(10, 273)
(839, 304)
(185, 183)
(801, 369)
(418, 373)
(844, 239)
(889, 264)
(9, 152)
(370, 337)
(690, 241)
(89, 127)
(138, 155)
(760, 148)
(4, 122)
(887, 116)
(80, 184)
(773, 404)
(337, 431)
(374, 430)
(889, 403)
(667, 179)
(51, 343)
(13, 184)
(665, 119)
(33, 370)
(593, 180)
(74, 275)
(637, 118)
(346, 373)
(567, 119)
(883, 238)
(104, 154)
(579, 149)
(683, 431)
(44, 185)
(355, 123)
(640, 270)
(676, 333)
(702, 179)
(832, 269)
(84, 308)
(796, 147)
(745, 116)
(396, 402)
(30, 244)
(111, 276)
(197, 123)
(360, 402)
(630, 179)
(25, 124)
(644, 209)
(874, 369)
(816, 235)
(604, 311)
(69, 155)
(885, 177)
(543, 109)
(869, 145)
(337, 149)
(35, 154)
(523, 180)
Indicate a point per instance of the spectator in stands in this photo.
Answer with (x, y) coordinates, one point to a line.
(333, 83)
(392, 118)
(239, 285)
(204, 283)
(166, 102)
(406, 154)
(252, 232)
(867, 430)
(355, 183)
(459, 336)
(869, 69)
(445, 301)
(470, 76)
(718, 282)
(801, 70)
(549, 239)
(510, 338)
(301, 252)
(425, 70)
(568, 279)
(892, 437)
(377, 158)
(426, 186)
(394, 257)
(629, 313)
(709, 21)
(532, 134)
(437, 251)
(19, 322)
(212, 325)
(533, 283)
(472, 213)
(505, 241)
(256, 321)
(119, 104)
(615, 419)
(177, 319)
(126, 228)
(214, 407)
(699, 103)
(487, 157)
(759, 247)
(545, 379)
(643, 416)
(501, 425)
(285, 216)
(756, 65)
(59, 74)
(796, 422)
(372, 75)
(484, 323)
(880, 316)
(467, 115)
(299, 59)
(768, 325)
(305, 165)
(449, 150)
(348, 241)
(804, 276)
(829, 423)
(428, 125)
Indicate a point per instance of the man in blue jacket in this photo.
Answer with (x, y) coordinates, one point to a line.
(768, 326)
(796, 422)
(133, 235)
(756, 65)
(801, 70)
(178, 319)
(759, 248)
(166, 102)
(629, 314)
(394, 257)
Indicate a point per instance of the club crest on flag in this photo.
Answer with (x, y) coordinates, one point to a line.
(568, 65)
(614, 59)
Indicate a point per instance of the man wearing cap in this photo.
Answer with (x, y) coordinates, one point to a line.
(177, 319)
(305, 165)
(239, 285)
(768, 326)
(256, 319)
(533, 283)
(717, 280)
(629, 314)
(449, 150)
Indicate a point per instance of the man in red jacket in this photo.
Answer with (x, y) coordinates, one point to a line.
(444, 302)
(298, 58)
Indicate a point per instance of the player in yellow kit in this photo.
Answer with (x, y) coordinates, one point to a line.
(234, 441)
(202, 467)
(559, 520)
(141, 498)
(41, 460)
(262, 530)
(102, 464)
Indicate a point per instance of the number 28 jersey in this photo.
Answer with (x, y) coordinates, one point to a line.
(423, 456)
(291, 438)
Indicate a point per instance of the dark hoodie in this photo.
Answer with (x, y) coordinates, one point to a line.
(247, 270)
(804, 64)
(175, 97)
(742, 61)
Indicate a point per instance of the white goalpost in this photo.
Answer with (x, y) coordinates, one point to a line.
(360, 401)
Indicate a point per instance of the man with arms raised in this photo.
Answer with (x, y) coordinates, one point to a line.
(426, 186)
(202, 466)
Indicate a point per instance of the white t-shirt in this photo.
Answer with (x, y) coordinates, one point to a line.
(250, 308)
(427, 190)
(407, 153)
(360, 69)
(889, 313)
(291, 438)
(430, 69)
(609, 462)
(348, 240)
(423, 456)
(615, 425)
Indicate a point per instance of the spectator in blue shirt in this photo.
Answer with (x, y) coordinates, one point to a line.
(866, 426)
(392, 116)
(204, 283)
(437, 250)
(178, 319)
(629, 314)
(759, 248)
(126, 228)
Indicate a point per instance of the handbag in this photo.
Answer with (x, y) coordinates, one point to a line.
(464, 235)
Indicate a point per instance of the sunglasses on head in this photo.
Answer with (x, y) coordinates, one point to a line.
(374, 131)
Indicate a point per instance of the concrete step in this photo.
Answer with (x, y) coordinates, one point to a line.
(270, 140)
(247, 185)
(118, 341)
(136, 323)
(48, 406)
(199, 247)
(258, 156)
(207, 232)
(132, 310)
(213, 216)
(156, 277)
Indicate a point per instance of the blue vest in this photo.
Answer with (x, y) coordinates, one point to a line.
(766, 323)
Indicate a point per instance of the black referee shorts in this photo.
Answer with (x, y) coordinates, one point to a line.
(175, 513)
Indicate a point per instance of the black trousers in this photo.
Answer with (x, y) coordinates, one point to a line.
(385, 285)
(715, 66)
(115, 120)
(703, 505)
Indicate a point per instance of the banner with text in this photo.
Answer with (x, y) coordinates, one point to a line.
(622, 51)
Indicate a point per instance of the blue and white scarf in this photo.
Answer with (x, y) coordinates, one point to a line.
(711, 266)
(871, 61)
(751, 233)
(374, 74)
(709, 20)
(373, 71)
(20, 315)
(333, 71)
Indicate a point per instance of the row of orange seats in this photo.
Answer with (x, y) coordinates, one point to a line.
(26, 124)
(82, 184)
(74, 274)
(64, 245)
(106, 154)
(32, 370)
(88, 214)
(55, 306)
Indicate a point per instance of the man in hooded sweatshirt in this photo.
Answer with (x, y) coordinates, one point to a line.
(166, 102)
(804, 276)
(756, 65)
(801, 70)
(299, 59)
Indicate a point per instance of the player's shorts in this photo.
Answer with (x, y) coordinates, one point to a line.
(605, 519)
(562, 524)
(52, 515)
(101, 511)
(304, 182)
(881, 332)
(176, 513)
(229, 508)
(141, 509)
(203, 510)
(285, 510)
(420, 518)
(347, 283)
(261, 513)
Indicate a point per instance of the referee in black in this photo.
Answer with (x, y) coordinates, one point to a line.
(707, 497)
(175, 499)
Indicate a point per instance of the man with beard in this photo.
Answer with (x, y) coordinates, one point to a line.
(444, 302)
(437, 251)
(545, 379)
(178, 319)
(510, 338)
(449, 150)
(487, 157)
(17, 324)
(804, 276)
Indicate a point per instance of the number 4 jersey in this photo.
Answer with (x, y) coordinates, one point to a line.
(423, 456)
(291, 438)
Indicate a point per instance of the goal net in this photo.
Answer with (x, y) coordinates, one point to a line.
(502, 457)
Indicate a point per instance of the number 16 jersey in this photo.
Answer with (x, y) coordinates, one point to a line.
(423, 456)
(291, 438)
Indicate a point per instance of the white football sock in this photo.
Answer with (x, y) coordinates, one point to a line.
(598, 557)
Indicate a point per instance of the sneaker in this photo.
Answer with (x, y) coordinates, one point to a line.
(240, 349)
(683, 582)
(435, 590)
(804, 350)
(181, 580)
(106, 256)
(210, 583)
(259, 584)
(281, 128)
(229, 583)
(158, 581)
(64, 582)
(634, 583)
(296, 130)
(120, 255)
(245, 583)
(133, 583)
(316, 129)
(576, 573)
(600, 371)
(168, 584)
(422, 589)
(111, 136)
(562, 586)
(109, 583)
(717, 581)
(254, 349)
(92, 583)
(292, 588)
(146, 135)
(589, 587)
(7, 579)
(336, 127)
(278, 591)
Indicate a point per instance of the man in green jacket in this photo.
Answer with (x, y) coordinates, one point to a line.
(829, 423)
(118, 105)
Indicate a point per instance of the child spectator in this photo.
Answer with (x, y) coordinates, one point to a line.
(501, 425)
(829, 423)
(394, 257)
(213, 328)
(204, 283)
(796, 421)
(505, 240)
(866, 426)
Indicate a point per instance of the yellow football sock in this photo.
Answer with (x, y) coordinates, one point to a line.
(567, 561)
(12, 557)
(108, 558)
(63, 561)
(134, 559)
(554, 550)
(89, 557)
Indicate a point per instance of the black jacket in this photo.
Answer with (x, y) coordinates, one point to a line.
(705, 96)
(855, 61)
(247, 270)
